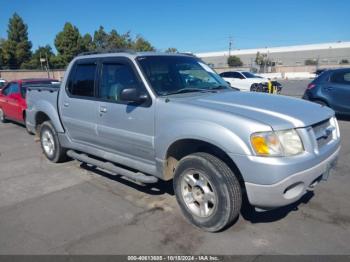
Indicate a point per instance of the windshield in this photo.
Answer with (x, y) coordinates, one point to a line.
(249, 75)
(179, 74)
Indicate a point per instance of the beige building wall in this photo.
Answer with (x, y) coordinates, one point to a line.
(10, 75)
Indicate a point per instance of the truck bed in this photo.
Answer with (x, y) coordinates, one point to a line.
(40, 97)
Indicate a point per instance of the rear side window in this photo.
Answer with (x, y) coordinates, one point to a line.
(341, 78)
(12, 88)
(82, 82)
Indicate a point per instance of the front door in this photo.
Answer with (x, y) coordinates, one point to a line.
(124, 128)
(11, 105)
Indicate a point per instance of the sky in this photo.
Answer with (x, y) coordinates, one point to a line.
(189, 26)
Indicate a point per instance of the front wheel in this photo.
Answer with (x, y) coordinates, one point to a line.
(50, 143)
(207, 191)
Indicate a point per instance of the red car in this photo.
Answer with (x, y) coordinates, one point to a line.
(12, 98)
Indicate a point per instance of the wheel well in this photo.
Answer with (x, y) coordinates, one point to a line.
(184, 147)
(40, 118)
(321, 100)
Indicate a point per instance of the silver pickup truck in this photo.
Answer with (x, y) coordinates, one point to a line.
(150, 116)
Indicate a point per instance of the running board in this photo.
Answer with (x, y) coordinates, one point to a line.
(112, 168)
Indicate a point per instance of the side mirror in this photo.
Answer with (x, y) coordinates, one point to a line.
(133, 95)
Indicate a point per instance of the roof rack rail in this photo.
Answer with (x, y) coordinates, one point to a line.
(108, 51)
(187, 53)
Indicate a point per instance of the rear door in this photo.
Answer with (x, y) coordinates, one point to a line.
(124, 128)
(338, 88)
(77, 104)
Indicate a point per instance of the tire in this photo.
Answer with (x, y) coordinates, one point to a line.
(2, 116)
(214, 182)
(50, 144)
(253, 88)
(259, 88)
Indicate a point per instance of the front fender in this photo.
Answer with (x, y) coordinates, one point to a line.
(205, 131)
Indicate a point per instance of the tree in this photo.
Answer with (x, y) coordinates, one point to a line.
(116, 41)
(344, 62)
(68, 43)
(17, 48)
(234, 61)
(259, 59)
(142, 44)
(100, 39)
(42, 52)
(310, 62)
(87, 43)
(171, 50)
(2, 42)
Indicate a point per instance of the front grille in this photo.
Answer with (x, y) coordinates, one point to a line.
(323, 132)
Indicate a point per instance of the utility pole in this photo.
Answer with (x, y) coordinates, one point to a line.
(47, 66)
(230, 46)
(41, 62)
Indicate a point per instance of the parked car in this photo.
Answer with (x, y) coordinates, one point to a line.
(151, 116)
(2, 83)
(331, 88)
(12, 98)
(245, 81)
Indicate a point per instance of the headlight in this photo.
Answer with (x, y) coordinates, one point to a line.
(334, 123)
(279, 143)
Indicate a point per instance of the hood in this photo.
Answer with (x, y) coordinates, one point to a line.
(279, 112)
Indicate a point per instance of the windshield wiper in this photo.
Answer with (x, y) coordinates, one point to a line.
(220, 87)
(186, 90)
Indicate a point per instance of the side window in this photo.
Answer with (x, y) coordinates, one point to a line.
(230, 74)
(11, 88)
(237, 75)
(6, 90)
(224, 74)
(82, 81)
(341, 78)
(116, 77)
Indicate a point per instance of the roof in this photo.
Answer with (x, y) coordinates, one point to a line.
(324, 46)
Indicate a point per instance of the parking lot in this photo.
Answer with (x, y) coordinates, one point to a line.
(68, 208)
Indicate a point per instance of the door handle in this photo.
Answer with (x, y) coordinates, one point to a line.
(103, 109)
(66, 104)
(329, 88)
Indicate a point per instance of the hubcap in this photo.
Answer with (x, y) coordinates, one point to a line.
(198, 194)
(48, 143)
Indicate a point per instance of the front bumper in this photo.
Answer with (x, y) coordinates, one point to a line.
(290, 189)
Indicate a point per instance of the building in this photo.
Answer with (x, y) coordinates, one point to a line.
(321, 55)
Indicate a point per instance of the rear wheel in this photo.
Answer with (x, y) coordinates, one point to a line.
(207, 191)
(50, 143)
(2, 116)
